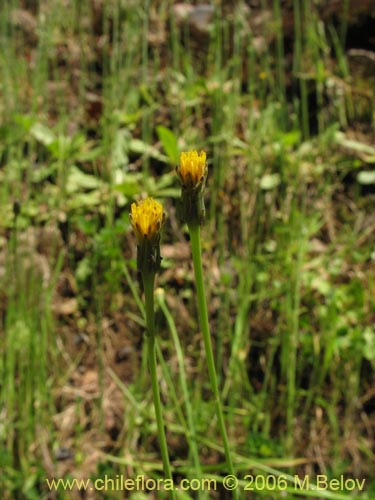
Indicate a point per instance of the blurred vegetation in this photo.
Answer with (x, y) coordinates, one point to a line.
(97, 99)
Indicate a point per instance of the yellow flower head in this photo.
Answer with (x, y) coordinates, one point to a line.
(147, 217)
(192, 169)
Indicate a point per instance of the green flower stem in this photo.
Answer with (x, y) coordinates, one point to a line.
(191, 434)
(196, 249)
(148, 283)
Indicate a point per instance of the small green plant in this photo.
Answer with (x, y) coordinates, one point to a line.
(147, 218)
(192, 172)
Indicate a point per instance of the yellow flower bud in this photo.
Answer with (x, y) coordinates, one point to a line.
(147, 218)
(192, 169)
(192, 172)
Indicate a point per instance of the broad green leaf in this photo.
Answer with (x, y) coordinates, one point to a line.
(169, 142)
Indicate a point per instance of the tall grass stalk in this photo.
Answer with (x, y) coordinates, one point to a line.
(297, 67)
(280, 56)
(291, 339)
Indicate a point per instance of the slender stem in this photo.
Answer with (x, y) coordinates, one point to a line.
(195, 239)
(191, 432)
(148, 283)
